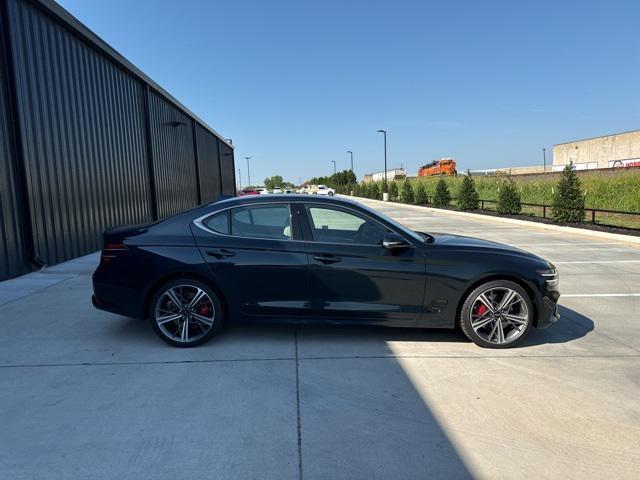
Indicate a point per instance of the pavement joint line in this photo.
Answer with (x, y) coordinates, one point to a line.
(298, 423)
(594, 261)
(565, 244)
(579, 295)
(337, 357)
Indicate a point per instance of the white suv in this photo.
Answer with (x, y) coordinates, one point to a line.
(324, 190)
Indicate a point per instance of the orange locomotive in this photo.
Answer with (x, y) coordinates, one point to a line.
(444, 166)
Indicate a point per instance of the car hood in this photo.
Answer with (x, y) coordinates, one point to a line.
(470, 243)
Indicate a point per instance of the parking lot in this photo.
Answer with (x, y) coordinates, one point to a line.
(86, 394)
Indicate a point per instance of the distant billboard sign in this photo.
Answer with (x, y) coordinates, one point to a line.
(629, 162)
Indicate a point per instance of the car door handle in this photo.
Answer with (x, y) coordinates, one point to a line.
(327, 258)
(220, 253)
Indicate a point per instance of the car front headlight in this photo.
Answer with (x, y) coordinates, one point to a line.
(551, 276)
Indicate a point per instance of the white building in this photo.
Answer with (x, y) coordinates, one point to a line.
(617, 150)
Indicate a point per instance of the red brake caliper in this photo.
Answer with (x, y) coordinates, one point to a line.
(204, 310)
(481, 309)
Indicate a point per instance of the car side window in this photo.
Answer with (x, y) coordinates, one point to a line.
(262, 221)
(337, 226)
(219, 222)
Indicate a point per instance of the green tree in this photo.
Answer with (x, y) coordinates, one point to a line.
(421, 194)
(442, 197)
(407, 192)
(374, 191)
(393, 191)
(273, 182)
(509, 198)
(568, 201)
(468, 198)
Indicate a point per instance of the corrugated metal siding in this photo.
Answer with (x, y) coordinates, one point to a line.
(97, 143)
(228, 170)
(82, 120)
(208, 164)
(174, 161)
(13, 259)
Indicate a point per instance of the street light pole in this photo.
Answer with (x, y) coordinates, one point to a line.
(248, 172)
(240, 179)
(334, 166)
(385, 159)
(544, 159)
(351, 153)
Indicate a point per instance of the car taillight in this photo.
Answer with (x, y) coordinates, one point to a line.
(114, 246)
(111, 250)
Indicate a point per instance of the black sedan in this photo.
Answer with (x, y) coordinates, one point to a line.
(317, 260)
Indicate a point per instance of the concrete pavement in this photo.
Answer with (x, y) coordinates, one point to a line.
(86, 394)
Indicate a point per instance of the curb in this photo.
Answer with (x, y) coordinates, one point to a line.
(515, 221)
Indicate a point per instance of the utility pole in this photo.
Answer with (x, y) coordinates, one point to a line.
(351, 153)
(240, 179)
(544, 159)
(385, 159)
(248, 171)
(334, 166)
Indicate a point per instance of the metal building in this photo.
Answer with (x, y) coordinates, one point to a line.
(87, 141)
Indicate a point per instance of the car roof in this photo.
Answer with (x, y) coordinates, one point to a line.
(279, 198)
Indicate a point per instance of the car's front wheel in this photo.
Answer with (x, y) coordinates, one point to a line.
(185, 312)
(497, 314)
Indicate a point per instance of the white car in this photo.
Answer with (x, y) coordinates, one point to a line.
(262, 191)
(277, 190)
(324, 190)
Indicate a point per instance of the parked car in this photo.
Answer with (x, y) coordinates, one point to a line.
(249, 191)
(262, 191)
(324, 190)
(327, 261)
(277, 190)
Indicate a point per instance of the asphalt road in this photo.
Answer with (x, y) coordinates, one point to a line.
(86, 394)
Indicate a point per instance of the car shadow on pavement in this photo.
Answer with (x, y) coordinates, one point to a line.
(571, 326)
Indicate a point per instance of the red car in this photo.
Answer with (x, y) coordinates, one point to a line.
(247, 191)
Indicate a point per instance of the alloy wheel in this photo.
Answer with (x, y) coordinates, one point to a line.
(499, 315)
(184, 313)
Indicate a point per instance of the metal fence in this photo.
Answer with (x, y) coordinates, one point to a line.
(594, 216)
(87, 141)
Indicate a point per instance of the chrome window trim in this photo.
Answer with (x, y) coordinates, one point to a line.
(198, 222)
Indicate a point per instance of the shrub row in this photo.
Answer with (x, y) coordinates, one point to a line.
(567, 199)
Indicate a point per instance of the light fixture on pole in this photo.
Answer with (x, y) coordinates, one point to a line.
(385, 190)
(351, 153)
(334, 166)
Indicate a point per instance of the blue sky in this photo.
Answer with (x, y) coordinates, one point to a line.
(296, 84)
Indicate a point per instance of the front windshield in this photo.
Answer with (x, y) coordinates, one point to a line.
(399, 226)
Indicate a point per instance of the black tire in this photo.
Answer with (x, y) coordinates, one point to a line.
(465, 314)
(213, 301)
(331, 194)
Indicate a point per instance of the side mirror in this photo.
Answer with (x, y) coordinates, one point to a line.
(394, 241)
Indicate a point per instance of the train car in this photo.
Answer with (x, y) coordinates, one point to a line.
(444, 166)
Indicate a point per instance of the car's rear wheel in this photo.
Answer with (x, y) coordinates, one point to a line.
(186, 312)
(497, 314)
